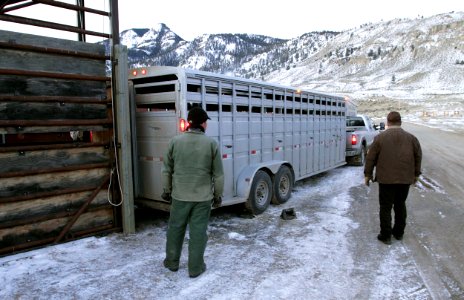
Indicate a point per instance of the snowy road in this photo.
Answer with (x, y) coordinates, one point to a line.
(329, 252)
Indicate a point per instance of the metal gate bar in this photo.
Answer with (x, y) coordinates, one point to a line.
(81, 210)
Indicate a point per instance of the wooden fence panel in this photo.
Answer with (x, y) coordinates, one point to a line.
(56, 142)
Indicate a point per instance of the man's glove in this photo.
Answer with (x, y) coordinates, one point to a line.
(217, 201)
(366, 180)
(166, 196)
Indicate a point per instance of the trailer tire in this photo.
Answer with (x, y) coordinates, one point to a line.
(260, 193)
(283, 185)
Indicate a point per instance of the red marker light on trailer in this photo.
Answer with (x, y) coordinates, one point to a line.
(144, 71)
(183, 125)
(354, 139)
(134, 73)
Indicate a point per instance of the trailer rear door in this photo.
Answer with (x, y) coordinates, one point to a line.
(157, 121)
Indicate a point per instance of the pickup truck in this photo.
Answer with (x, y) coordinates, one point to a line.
(360, 133)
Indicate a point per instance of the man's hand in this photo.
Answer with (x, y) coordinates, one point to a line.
(217, 202)
(366, 180)
(166, 196)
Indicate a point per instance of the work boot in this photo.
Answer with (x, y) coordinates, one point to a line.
(397, 234)
(398, 237)
(170, 267)
(193, 275)
(385, 240)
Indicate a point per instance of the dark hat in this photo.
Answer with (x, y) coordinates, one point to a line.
(197, 116)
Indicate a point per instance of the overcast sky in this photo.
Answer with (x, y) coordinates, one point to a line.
(276, 18)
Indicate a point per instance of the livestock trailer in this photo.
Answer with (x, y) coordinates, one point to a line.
(269, 135)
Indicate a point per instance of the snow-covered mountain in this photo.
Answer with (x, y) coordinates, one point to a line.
(244, 55)
(401, 59)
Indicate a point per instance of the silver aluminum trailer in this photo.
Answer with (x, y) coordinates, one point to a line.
(269, 135)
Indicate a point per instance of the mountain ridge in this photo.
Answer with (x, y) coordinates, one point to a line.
(401, 59)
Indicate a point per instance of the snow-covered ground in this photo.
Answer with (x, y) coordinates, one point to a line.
(449, 121)
(328, 252)
(264, 257)
(445, 113)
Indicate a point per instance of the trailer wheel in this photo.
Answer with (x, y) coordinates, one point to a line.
(260, 193)
(283, 185)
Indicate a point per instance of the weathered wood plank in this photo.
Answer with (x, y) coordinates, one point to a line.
(51, 228)
(55, 99)
(54, 144)
(53, 111)
(35, 208)
(28, 86)
(31, 61)
(36, 160)
(64, 129)
(34, 40)
(17, 186)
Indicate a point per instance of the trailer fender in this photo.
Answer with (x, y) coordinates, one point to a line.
(245, 179)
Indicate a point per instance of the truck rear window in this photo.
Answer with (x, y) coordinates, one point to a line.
(354, 122)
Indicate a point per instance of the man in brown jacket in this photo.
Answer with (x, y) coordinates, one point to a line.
(396, 156)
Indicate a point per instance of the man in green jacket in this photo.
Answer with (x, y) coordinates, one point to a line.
(193, 180)
(397, 156)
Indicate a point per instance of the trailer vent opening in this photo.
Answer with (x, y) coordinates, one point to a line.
(160, 107)
(155, 89)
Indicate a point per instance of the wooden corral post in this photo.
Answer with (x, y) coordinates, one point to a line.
(122, 122)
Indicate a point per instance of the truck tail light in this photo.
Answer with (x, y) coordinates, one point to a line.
(354, 139)
(183, 125)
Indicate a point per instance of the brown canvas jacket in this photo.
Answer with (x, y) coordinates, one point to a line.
(396, 155)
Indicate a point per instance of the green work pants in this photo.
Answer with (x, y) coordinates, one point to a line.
(196, 215)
